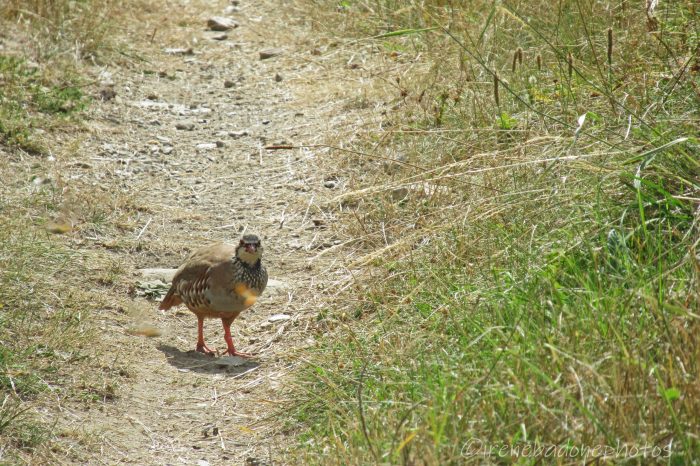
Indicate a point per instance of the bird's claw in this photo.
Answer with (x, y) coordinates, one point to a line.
(202, 348)
(239, 354)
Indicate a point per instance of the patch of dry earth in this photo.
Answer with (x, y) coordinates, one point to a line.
(213, 180)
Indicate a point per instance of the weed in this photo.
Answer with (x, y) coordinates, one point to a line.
(29, 101)
(541, 277)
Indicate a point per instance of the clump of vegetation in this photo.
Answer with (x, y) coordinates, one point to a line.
(533, 210)
(41, 71)
(74, 30)
(40, 330)
(43, 320)
(31, 100)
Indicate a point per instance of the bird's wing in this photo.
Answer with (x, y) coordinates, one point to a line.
(193, 272)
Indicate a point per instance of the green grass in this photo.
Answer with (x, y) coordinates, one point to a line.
(42, 67)
(49, 291)
(543, 290)
(32, 99)
(41, 328)
(45, 327)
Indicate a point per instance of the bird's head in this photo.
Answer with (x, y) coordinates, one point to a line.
(249, 250)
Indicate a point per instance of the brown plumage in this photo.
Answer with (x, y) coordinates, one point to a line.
(219, 281)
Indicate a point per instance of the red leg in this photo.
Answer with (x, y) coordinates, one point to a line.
(229, 341)
(201, 347)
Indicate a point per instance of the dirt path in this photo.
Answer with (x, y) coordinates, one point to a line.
(193, 186)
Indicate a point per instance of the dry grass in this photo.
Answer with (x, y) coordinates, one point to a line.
(65, 31)
(527, 276)
(47, 362)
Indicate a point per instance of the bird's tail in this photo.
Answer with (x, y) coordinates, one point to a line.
(170, 300)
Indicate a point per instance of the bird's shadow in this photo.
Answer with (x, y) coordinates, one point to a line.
(197, 362)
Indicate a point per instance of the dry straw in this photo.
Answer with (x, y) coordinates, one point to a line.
(517, 59)
(495, 89)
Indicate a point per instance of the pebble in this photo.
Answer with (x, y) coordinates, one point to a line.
(278, 77)
(330, 184)
(179, 51)
(185, 125)
(296, 245)
(107, 93)
(269, 53)
(206, 146)
(279, 317)
(220, 23)
(229, 84)
(220, 37)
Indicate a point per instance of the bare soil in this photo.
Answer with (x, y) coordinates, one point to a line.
(226, 173)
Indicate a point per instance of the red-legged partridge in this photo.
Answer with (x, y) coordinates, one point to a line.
(219, 281)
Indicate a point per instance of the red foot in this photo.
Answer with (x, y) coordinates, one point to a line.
(202, 348)
(233, 352)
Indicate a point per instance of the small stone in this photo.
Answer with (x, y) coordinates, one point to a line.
(278, 77)
(399, 194)
(167, 150)
(238, 134)
(272, 284)
(231, 9)
(279, 317)
(206, 146)
(229, 84)
(179, 51)
(185, 125)
(108, 93)
(220, 23)
(252, 461)
(220, 144)
(269, 53)
(266, 122)
(233, 361)
(220, 37)
(330, 184)
(296, 245)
